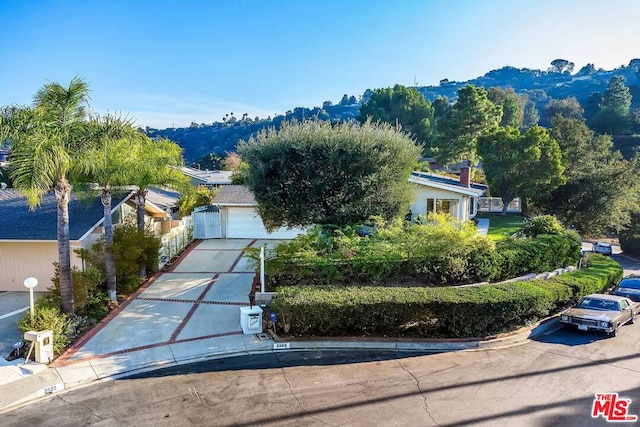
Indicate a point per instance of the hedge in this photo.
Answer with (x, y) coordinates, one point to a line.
(454, 312)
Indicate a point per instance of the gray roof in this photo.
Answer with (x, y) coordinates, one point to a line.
(235, 195)
(450, 182)
(162, 198)
(17, 222)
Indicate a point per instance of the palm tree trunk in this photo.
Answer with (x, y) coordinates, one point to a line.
(109, 258)
(140, 202)
(63, 195)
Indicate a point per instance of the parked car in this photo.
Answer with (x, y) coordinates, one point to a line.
(599, 312)
(628, 287)
(603, 248)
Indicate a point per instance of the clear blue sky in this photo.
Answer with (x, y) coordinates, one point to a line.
(170, 62)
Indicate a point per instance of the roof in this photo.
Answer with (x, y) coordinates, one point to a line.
(162, 198)
(446, 183)
(207, 177)
(17, 222)
(235, 195)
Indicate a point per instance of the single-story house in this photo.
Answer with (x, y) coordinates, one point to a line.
(239, 216)
(28, 239)
(441, 194)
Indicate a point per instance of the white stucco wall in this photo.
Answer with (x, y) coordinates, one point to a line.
(421, 194)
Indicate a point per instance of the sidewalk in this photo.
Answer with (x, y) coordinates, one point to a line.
(187, 314)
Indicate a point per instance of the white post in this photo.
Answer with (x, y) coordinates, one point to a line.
(31, 282)
(262, 269)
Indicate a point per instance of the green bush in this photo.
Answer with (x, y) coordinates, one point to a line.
(85, 284)
(132, 250)
(543, 224)
(455, 312)
(47, 317)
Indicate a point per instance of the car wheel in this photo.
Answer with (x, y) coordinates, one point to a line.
(633, 318)
(614, 333)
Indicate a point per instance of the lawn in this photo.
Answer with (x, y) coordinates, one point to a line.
(501, 227)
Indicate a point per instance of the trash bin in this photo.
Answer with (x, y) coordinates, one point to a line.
(251, 320)
(43, 341)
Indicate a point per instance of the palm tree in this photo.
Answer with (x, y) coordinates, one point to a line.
(106, 162)
(156, 164)
(44, 140)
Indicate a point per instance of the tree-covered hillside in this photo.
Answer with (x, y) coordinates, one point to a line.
(539, 87)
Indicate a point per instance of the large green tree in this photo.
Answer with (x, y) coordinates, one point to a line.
(318, 173)
(529, 165)
(472, 115)
(569, 108)
(401, 106)
(44, 140)
(512, 105)
(613, 117)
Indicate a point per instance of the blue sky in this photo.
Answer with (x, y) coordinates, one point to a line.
(169, 62)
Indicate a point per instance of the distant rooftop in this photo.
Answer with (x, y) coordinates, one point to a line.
(207, 177)
(235, 195)
(452, 183)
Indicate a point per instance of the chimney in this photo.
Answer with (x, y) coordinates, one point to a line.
(465, 176)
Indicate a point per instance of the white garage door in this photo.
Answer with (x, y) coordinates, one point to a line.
(245, 223)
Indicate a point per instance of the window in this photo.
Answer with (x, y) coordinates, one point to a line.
(449, 206)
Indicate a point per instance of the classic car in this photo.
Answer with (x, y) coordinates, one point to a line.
(599, 312)
(628, 287)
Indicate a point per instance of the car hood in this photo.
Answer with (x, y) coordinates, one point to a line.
(591, 314)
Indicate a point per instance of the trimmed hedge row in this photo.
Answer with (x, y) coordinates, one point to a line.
(454, 312)
(481, 263)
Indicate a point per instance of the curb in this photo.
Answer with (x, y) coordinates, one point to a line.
(52, 380)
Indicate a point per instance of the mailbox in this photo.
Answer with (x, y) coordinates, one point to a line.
(251, 320)
(43, 343)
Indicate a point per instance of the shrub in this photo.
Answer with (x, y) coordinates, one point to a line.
(85, 284)
(455, 312)
(543, 224)
(132, 250)
(48, 317)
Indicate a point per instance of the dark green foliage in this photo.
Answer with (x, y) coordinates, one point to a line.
(454, 312)
(542, 224)
(630, 237)
(401, 106)
(315, 173)
(439, 252)
(85, 286)
(132, 249)
(48, 317)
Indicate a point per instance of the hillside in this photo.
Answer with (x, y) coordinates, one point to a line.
(199, 140)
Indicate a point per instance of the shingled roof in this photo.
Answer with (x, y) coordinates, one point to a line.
(17, 222)
(238, 195)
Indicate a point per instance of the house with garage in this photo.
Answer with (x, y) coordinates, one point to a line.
(441, 194)
(28, 239)
(236, 211)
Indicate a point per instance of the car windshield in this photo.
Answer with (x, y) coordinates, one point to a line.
(630, 283)
(598, 304)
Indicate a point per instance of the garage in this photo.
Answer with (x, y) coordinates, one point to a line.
(240, 218)
(245, 223)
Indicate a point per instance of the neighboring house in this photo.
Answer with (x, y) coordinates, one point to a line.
(28, 239)
(441, 194)
(206, 177)
(239, 218)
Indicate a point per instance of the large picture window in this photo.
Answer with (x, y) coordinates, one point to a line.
(449, 206)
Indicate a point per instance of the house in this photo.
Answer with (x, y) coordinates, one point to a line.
(441, 194)
(28, 239)
(239, 218)
(206, 177)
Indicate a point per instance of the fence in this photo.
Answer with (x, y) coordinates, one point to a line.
(494, 204)
(176, 240)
